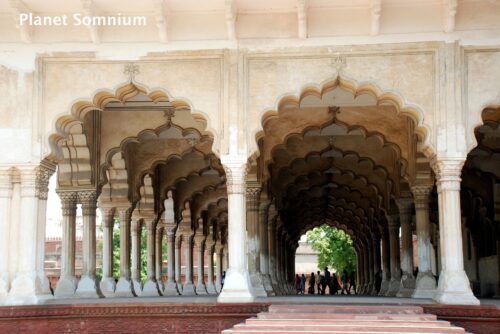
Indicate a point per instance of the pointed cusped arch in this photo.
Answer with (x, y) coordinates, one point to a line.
(382, 97)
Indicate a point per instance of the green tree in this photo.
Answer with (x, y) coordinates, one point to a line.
(334, 247)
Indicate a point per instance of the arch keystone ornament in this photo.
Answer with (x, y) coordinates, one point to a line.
(237, 286)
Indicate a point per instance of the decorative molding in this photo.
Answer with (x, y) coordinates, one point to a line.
(302, 6)
(160, 13)
(131, 69)
(449, 13)
(230, 13)
(90, 10)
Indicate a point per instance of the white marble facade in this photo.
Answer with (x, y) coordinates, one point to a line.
(183, 129)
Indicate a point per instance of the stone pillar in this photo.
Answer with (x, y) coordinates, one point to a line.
(159, 257)
(407, 278)
(279, 253)
(361, 270)
(88, 287)
(454, 286)
(136, 231)
(178, 256)
(271, 229)
(253, 242)
(124, 287)
(151, 287)
(218, 266)
(264, 245)
(188, 289)
(366, 268)
(199, 247)
(209, 246)
(108, 283)
(426, 283)
(237, 287)
(171, 286)
(43, 174)
(377, 263)
(386, 262)
(371, 266)
(5, 199)
(66, 285)
(395, 282)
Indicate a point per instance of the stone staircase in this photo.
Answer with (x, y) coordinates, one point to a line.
(325, 318)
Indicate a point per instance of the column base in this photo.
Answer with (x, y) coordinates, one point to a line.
(453, 288)
(211, 290)
(268, 287)
(384, 287)
(407, 285)
(201, 289)
(236, 288)
(171, 289)
(188, 289)
(4, 289)
(66, 287)
(88, 287)
(124, 288)
(25, 289)
(150, 289)
(44, 284)
(179, 288)
(257, 286)
(394, 286)
(425, 286)
(108, 286)
(137, 287)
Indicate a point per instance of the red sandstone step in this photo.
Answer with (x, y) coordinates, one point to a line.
(354, 317)
(358, 331)
(367, 323)
(351, 328)
(322, 308)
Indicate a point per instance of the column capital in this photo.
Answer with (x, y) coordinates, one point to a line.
(421, 195)
(448, 173)
(405, 205)
(235, 167)
(88, 199)
(68, 202)
(253, 190)
(43, 174)
(199, 240)
(5, 182)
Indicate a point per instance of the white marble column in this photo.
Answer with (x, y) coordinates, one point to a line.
(395, 281)
(237, 286)
(386, 266)
(218, 266)
(188, 288)
(88, 287)
(135, 250)
(264, 245)
(271, 228)
(151, 287)
(159, 257)
(171, 286)
(199, 248)
(5, 199)
(454, 286)
(209, 246)
(407, 279)
(108, 283)
(43, 174)
(253, 242)
(124, 287)
(178, 257)
(425, 283)
(66, 285)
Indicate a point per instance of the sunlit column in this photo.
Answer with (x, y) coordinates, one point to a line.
(66, 285)
(386, 262)
(237, 287)
(108, 283)
(171, 286)
(264, 244)
(405, 205)
(124, 287)
(199, 249)
(178, 268)
(5, 206)
(159, 257)
(136, 231)
(453, 287)
(188, 288)
(218, 265)
(209, 246)
(88, 286)
(151, 287)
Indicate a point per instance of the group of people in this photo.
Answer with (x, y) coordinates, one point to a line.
(346, 283)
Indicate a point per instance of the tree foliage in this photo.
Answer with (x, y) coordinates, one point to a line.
(334, 247)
